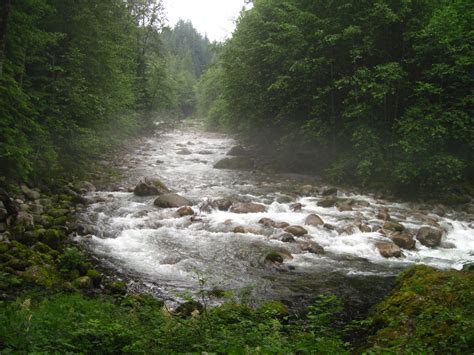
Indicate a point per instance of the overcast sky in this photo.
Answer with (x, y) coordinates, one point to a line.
(212, 17)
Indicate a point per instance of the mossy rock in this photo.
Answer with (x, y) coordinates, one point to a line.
(118, 287)
(52, 238)
(95, 276)
(274, 257)
(60, 221)
(58, 212)
(42, 275)
(83, 282)
(274, 309)
(429, 311)
(18, 265)
(189, 308)
(41, 248)
(141, 300)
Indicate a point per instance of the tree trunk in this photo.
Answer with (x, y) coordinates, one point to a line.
(4, 15)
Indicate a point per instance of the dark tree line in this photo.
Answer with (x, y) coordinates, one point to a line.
(380, 92)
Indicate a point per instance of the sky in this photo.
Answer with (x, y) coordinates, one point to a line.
(216, 18)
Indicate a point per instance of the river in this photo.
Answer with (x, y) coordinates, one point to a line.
(158, 252)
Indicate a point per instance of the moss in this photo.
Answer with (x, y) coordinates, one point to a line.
(83, 282)
(52, 238)
(118, 287)
(42, 275)
(60, 221)
(95, 276)
(274, 309)
(428, 311)
(274, 257)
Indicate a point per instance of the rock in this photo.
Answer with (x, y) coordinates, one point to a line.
(3, 214)
(307, 190)
(329, 226)
(364, 228)
(267, 222)
(118, 287)
(403, 240)
(295, 207)
(426, 219)
(83, 282)
(362, 203)
(30, 194)
(185, 211)
(248, 207)
(312, 247)
(36, 208)
(3, 227)
(313, 220)
(238, 150)
(238, 163)
(429, 237)
(205, 152)
(150, 187)
(278, 256)
(25, 221)
(329, 191)
(389, 250)
(393, 226)
(184, 151)
(348, 229)
(251, 230)
(281, 225)
(189, 308)
(344, 206)
(383, 215)
(84, 186)
(447, 245)
(297, 231)
(171, 200)
(286, 238)
(327, 202)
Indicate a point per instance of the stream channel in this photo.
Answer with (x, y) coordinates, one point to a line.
(160, 253)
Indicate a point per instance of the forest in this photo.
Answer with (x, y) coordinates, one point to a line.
(304, 186)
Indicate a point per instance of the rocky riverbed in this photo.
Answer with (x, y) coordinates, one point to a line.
(192, 206)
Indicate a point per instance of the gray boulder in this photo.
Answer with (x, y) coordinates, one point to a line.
(389, 250)
(297, 231)
(249, 207)
(171, 200)
(313, 220)
(236, 163)
(238, 150)
(403, 240)
(150, 187)
(429, 237)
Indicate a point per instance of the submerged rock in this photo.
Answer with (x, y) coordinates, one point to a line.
(383, 215)
(389, 250)
(286, 238)
(429, 237)
(295, 207)
(184, 151)
(237, 163)
(248, 207)
(171, 200)
(313, 220)
(281, 225)
(329, 191)
(393, 226)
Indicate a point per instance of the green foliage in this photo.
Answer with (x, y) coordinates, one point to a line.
(71, 323)
(429, 311)
(382, 90)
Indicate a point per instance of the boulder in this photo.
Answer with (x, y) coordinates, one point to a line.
(329, 191)
(393, 226)
(281, 225)
(150, 187)
(185, 211)
(84, 186)
(251, 230)
(3, 214)
(364, 228)
(344, 206)
(189, 308)
(312, 247)
(278, 256)
(84, 282)
(24, 220)
(286, 238)
(29, 193)
(221, 204)
(383, 215)
(205, 152)
(313, 220)
(403, 240)
(297, 231)
(327, 202)
(348, 229)
(238, 150)
(295, 207)
(429, 237)
(238, 163)
(389, 250)
(267, 222)
(248, 207)
(171, 200)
